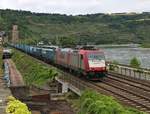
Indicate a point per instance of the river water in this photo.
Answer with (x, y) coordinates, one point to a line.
(124, 55)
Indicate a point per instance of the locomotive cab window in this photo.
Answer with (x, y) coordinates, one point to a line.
(96, 57)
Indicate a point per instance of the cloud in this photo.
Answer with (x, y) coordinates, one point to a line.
(77, 6)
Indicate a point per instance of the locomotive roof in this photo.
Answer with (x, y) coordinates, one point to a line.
(47, 49)
(85, 51)
(66, 49)
(50, 47)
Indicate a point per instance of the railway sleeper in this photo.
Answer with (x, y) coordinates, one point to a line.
(138, 106)
(132, 104)
(140, 99)
(147, 111)
(134, 98)
(131, 95)
(144, 101)
(127, 102)
(144, 109)
(141, 108)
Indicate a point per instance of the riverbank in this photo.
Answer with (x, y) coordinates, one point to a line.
(147, 45)
(125, 55)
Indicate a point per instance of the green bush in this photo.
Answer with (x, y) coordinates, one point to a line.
(115, 62)
(135, 63)
(94, 103)
(15, 106)
(33, 72)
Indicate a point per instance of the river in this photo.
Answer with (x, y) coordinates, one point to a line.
(124, 55)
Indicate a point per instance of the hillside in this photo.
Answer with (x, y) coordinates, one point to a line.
(82, 29)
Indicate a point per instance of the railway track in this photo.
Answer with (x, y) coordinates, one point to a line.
(127, 90)
(129, 84)
(126, 97)
(135, 93)
(131, 79)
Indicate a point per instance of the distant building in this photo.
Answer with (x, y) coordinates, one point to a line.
(15, 34)
(40, 43)
(146, 13)
(124, 13)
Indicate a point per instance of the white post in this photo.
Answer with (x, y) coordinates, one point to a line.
(64, 87)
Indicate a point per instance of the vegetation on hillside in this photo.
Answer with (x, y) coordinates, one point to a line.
(95, 28)
(94, 103)
(34, 73)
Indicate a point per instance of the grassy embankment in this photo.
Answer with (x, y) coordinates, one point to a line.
(92, 102)
(146, 45)
(34, 73)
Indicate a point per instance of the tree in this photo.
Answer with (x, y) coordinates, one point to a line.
(67, 41)
(135, 62)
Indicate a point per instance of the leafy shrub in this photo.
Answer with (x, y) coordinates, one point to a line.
(14, 106)
(95, 103)
(115, 62)
(135, 62)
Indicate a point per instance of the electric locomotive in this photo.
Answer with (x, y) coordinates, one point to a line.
(88, 63)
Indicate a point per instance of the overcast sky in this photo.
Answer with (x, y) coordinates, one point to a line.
(77, 6)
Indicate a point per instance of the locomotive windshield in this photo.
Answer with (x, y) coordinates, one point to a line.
(96, 56)
(96, 60)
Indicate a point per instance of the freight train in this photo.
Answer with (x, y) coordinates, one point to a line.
(86, 63)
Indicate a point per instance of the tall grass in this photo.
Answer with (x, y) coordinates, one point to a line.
(34, 73)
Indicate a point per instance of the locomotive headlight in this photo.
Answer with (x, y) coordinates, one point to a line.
(102, 62)
(103, 68)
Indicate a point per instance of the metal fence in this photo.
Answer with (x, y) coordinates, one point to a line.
(73, 81)
(132, 72)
